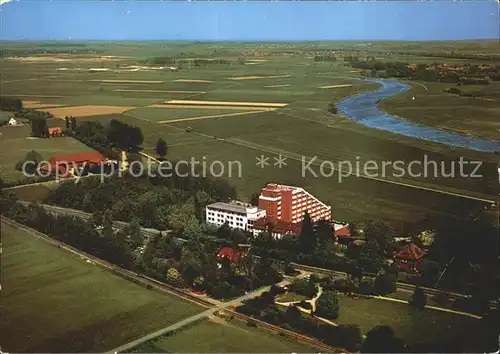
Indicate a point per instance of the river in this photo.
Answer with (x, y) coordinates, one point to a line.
(363, 108)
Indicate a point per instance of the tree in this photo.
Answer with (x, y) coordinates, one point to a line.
(161, 148)
(66, 119)
(307, 236)
(73, 124)
(199, 283)
(385, 282)
(332, 108)
(381, 339)
(39, 127)
(418, 299)
(327, 305)
(382, 234)
(134, 233)
(173, 277)
(369, 256)
(34, 158)
(351, 337)
(254, 199)
(192, 229)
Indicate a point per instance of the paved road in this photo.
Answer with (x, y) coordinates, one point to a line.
(194, 318)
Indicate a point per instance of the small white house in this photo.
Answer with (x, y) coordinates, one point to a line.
(13, 121)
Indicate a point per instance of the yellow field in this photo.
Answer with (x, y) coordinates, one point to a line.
(68, 58)
(128, 81)
(194, 81)
(256, 77)
(158, 91)
(84, 111)
(287, 85)
(335, 86)
(226, 103)
(208, 117)
(239, 108)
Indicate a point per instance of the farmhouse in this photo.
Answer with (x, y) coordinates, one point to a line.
(64, 165)
(409, 258)
(13, 121)
(55, 132)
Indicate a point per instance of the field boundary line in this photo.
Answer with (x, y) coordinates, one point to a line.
(250, 145)
(208, 117)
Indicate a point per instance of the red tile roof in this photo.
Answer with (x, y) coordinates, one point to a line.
(56, 130)
(230, 253)
(278, 226)
(410, 252)
(89, 156)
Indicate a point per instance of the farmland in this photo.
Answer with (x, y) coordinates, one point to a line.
(412, 326)
(53, 301)
(15, 143)
(219, 336)
(164, 103)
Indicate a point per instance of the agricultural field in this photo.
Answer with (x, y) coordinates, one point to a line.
(239, 105)
(476, 116)
(16, 142)
(53, 301)
(216, 335)
(413, 326)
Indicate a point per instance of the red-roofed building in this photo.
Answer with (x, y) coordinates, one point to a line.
(409, 258)
(61, 163)
(55, 132)
(278, 228)
(230, 254)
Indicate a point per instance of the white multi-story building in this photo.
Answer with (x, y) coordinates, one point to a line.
(236, 215)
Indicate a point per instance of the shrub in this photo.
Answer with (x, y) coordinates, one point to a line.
(305, 305)
(327, 305)
(418, 299)
(251, 323)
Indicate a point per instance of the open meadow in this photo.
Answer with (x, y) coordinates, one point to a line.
(413, 326)
(53, 301)
(216, 335)
(249, 100)
(16, 142)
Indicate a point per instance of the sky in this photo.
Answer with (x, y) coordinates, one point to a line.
(248, 20)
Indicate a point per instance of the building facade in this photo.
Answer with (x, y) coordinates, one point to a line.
(289, 204)
(236, 215)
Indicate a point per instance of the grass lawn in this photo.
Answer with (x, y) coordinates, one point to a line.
(53, 301)
(290, 297)
(219, 336)
(410, 325)
(34, 192)
(15, 143)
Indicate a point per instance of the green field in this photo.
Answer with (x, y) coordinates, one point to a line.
(53, 301)
(472, 116)
(219, 336)
(410, 325)
(303, 128)
(15, 143)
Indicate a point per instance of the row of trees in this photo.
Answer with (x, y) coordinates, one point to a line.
(10, 104)
(124, 136)
(471, 74)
